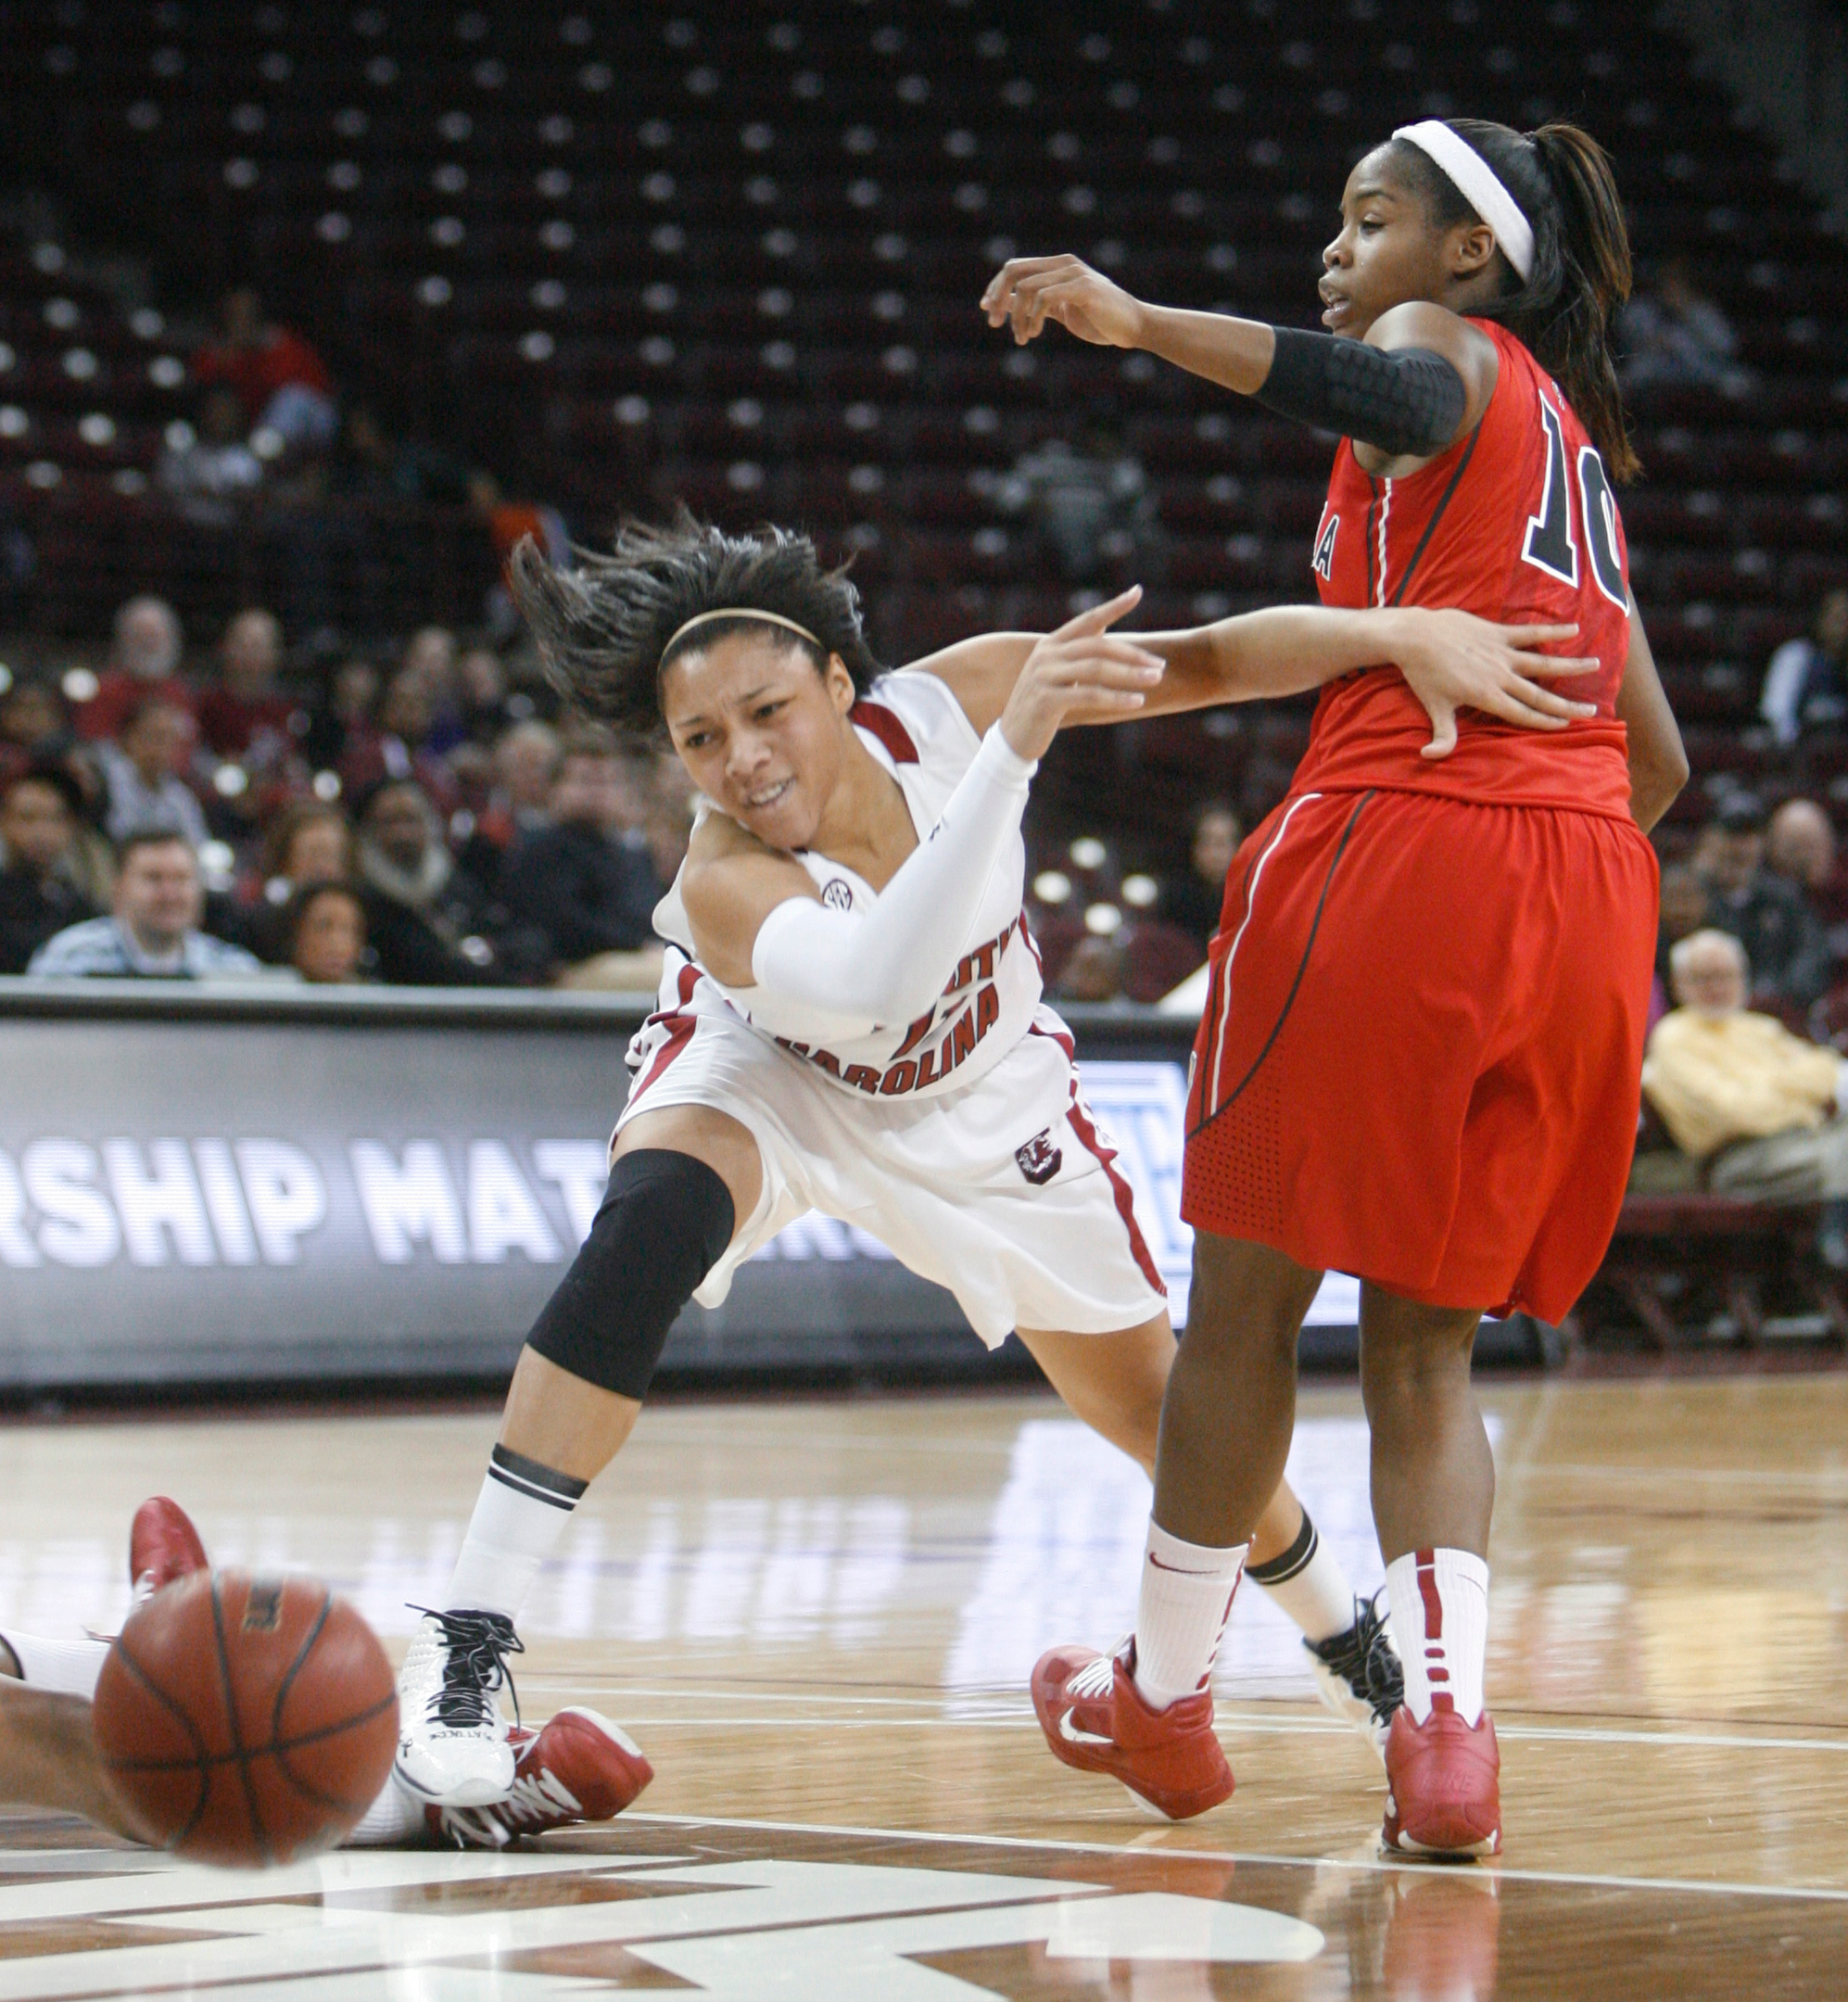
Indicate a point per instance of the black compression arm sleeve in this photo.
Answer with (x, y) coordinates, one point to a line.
(1403, 400)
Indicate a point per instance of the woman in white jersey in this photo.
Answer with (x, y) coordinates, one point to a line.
(851, 1021)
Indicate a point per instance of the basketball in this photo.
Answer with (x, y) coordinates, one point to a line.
(245, 1720)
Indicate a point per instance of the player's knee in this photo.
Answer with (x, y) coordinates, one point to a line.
(665, 1222)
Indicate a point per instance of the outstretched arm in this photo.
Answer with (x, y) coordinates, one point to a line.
(1450, 660)
(1420, 380)
(1658, 761)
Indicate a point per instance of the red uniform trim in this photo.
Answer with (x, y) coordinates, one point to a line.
(1106, 1157)
(884, 724)
(680, 1030)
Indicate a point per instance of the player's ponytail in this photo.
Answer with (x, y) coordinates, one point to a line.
(608, 627)
(1562, 179)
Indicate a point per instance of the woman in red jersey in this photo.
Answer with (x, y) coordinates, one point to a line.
(1419, 1060)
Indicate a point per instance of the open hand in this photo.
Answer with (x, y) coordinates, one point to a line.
(1029, 291)
(1082, 668)
(1454, 660)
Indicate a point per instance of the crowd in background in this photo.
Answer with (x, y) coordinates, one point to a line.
(413, 821)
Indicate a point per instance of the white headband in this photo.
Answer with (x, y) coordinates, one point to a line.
(737, 612)
(1477, 183)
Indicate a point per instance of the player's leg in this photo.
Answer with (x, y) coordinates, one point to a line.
(1226, 1421)
(1115, 1383)
(683, 1179)
(1434, 1491)
(48, 1758)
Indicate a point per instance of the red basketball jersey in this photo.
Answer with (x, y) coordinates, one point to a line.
(1517, 523)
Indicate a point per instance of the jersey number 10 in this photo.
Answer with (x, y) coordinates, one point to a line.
(1549, 545)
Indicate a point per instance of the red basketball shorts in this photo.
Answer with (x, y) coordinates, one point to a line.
(1421, 1057)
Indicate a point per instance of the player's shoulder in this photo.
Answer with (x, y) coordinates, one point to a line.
(913, 714)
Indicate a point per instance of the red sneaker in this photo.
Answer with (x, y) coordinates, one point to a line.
(163, 1546)
(1442, 1791)
(1095, 1719)
(576, 1767)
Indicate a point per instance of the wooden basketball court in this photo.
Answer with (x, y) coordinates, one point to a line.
(817, 1617)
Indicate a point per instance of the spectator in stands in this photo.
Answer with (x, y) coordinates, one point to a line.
(1192, 903)
(1093, 970)
(244, 715)
(523, 762)
(325, 933)
(1686, 907)
(1675, 335)
(39, 893)
(215, 469)
(153, 931)
(307, 843)
(34, 729)
(1759, 1108)
(143, 660)
(281, 384)
(669, 824)
(430, 924)
(1783, 938)
(341, 722)
(368, 465)
(508, 522)
(396, 746)
(481, 683)
(1086, 504)
(585, 881)
(141, 774)
(1806, 682)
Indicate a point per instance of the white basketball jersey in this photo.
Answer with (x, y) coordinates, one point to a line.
(915, 727)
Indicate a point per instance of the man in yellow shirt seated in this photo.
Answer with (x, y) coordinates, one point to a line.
(1758, 1106)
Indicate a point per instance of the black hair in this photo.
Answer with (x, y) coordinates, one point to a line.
(306, 897)
(1561, 179)
(56, 778)
(605, 628)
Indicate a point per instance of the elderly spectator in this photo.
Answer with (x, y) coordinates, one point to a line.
(39, 893)
(325, 933)
(1806, 682)
(153, 931)
(431, 924)
(585, 882)
(1192, 903)
(1758, 1106)
(244, 716)
(1676, 337)
(142, 774)
(143, 660)
(281, 384)
(1783, 938)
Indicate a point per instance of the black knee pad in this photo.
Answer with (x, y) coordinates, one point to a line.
(665, 1221)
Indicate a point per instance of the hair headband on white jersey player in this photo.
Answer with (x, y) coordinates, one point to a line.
(737, 612)
(1479, 185)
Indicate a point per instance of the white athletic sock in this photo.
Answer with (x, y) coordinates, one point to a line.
(1308, 1585)
(518, 1519)
(67, 1667)
(1186, 1599)
(396, 1816)
(1440, 1619)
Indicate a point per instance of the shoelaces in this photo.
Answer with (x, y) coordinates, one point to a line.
(475, 1646)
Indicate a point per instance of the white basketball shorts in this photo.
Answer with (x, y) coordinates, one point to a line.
(1008, 1193)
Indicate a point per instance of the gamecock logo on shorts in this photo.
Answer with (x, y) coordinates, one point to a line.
(1039, 1158)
